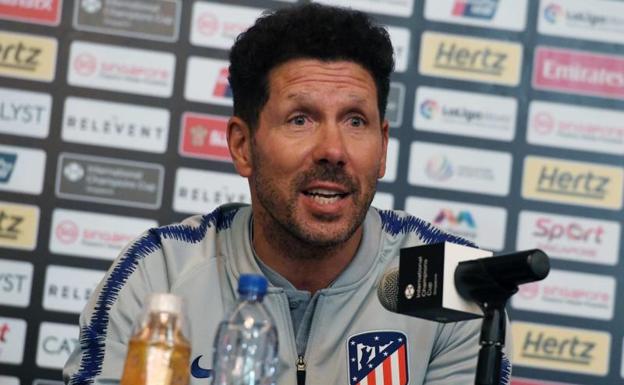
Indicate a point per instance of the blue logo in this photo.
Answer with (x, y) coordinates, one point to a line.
(477, 9)
(7, 165)
(199, 372)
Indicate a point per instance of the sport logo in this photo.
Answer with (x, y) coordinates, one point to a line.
(571, 238)
(7, 165)
(428, 108)
(553, 13)
(480, 9)
(378, 357)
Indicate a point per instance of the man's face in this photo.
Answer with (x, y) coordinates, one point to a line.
(317, 151)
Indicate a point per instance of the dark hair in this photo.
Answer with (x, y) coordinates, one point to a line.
(307, 31)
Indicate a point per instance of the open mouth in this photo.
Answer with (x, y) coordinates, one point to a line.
(325, 196)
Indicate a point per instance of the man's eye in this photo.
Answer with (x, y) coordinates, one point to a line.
(356, 121)
(299, 120)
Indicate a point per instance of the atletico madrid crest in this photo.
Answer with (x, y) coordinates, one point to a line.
(378, 358)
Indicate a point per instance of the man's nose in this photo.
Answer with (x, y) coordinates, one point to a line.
(331, 145)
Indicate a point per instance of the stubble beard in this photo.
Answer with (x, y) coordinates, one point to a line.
(282, 226)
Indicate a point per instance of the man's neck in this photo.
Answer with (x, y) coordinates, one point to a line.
(307, 267)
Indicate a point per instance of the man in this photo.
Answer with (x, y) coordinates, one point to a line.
(310, 87)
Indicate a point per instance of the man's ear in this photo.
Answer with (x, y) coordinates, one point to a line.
(385, 129)
(239, 143)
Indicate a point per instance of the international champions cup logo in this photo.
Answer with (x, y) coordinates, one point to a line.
(429, 109)
(553, 13)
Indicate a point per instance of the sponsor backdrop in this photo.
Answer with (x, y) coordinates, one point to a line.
(507, 128)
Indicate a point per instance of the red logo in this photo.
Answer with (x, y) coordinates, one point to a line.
(34, 11)
(529, 290)
(581, 72)
(4, 329)
(204, 136)
(207, 24)
(85, 64)
(544, 123)
(67, 232)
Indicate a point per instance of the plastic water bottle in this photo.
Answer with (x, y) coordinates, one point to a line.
(245, 347)
(158, 352)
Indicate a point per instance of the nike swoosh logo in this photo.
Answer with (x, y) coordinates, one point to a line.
(199, 372)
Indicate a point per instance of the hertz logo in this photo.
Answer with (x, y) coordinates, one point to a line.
(484, 60)
(559, 348)
(18, 225)
(578, 183)
(27, 56)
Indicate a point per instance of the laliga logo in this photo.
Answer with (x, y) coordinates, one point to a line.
(552, 13)
(429, 108)
(439, 168)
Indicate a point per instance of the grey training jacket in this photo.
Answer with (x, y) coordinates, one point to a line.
(352, 340)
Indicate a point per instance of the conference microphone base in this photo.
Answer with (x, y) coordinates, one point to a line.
(492, 342)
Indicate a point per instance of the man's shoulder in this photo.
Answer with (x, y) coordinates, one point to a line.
(400, 224)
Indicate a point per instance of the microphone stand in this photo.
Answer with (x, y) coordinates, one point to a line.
(492, 297)
(492, 341)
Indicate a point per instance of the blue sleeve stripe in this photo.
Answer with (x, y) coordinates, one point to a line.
(505, 376)
(393, 224)
(93, 335)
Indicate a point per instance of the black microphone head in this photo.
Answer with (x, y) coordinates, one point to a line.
(539, 264)
(388, 289)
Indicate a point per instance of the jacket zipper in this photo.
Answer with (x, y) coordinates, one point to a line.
(301, 371)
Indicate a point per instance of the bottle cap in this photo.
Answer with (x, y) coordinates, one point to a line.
(165, 302)
(252, 284)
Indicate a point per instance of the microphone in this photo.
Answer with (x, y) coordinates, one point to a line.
(446, 282)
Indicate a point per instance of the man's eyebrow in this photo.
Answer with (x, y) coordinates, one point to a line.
(304, 96)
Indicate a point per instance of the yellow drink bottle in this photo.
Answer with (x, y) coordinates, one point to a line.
(158, 353)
